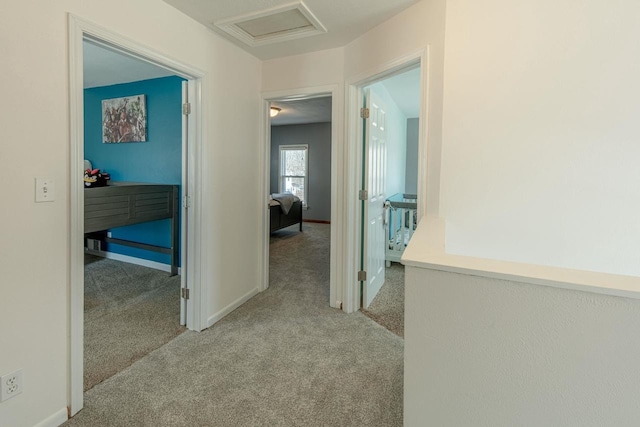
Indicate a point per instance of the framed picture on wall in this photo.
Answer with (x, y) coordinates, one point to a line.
(124, 119)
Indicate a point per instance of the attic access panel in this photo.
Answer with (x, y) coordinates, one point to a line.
(288, 22)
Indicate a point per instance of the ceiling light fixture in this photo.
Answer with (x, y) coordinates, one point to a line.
(274, 111)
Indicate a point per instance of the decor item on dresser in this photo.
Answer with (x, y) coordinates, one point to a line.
(124, 119)
(95, 178)
(285, 211)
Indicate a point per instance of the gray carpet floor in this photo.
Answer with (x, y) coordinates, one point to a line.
(387, 308)
(129, 311)
(284, 358)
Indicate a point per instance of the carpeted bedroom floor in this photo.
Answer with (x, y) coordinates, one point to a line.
(129, 311)
(284, 358)
(387, 308)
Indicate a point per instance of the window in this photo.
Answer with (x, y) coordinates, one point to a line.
(294, 167)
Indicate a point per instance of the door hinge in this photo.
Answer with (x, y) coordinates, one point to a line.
(186, 108)
(185, 293)
(364, 113)
(362, 276)
(363, 195)
(186, 202)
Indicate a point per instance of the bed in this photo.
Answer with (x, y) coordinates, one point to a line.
(124, 203)
(280, 217)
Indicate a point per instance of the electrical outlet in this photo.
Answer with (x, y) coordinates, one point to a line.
(10, 385)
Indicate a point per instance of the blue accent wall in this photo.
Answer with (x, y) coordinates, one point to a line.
(158, 160)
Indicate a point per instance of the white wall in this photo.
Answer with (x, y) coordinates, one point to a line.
(540, 157)
(488, 352)
(302, 71)
(34, 120)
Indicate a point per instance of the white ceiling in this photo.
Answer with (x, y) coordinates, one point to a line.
(405, 90)
(314, 110)
(344, 20)
(104, 67)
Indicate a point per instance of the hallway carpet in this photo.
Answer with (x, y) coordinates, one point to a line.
(284, 358)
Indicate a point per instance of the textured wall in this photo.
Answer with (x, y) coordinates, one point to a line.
(488, 352)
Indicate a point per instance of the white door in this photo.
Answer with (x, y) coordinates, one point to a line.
(375, 164)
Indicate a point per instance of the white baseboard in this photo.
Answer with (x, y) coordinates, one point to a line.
(228, 309)
(55, 420)
(133, 260)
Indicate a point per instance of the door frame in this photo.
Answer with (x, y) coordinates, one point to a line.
(79, 30)
(337, 237)
(354, 135)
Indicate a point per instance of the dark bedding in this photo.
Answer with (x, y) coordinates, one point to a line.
(280, 220)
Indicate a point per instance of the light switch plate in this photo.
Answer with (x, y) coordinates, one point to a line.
(45, 190)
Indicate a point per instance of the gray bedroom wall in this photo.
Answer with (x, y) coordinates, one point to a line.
(411, 171)
(318, 137)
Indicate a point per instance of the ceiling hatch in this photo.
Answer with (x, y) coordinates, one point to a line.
(283, 23)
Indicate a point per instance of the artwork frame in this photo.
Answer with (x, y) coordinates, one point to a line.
(124, 119)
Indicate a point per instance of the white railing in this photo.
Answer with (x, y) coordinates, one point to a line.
(400, 223)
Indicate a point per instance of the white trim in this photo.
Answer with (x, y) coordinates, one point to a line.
(338, 154)
(79, 30)
(265, 153)
(184, 203)
(229, 308)
(423, 141)
(353, 137)
(76, 215)
(133, 260)
(353, 171)
(54, 420)
(197, 304)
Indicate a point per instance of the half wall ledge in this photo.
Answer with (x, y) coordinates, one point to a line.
(426, 251)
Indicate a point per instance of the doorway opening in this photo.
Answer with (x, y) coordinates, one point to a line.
(176, 202)
(386, 138)
(132, 134)
(299, 179)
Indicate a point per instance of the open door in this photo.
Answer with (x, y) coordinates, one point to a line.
(374, 180)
